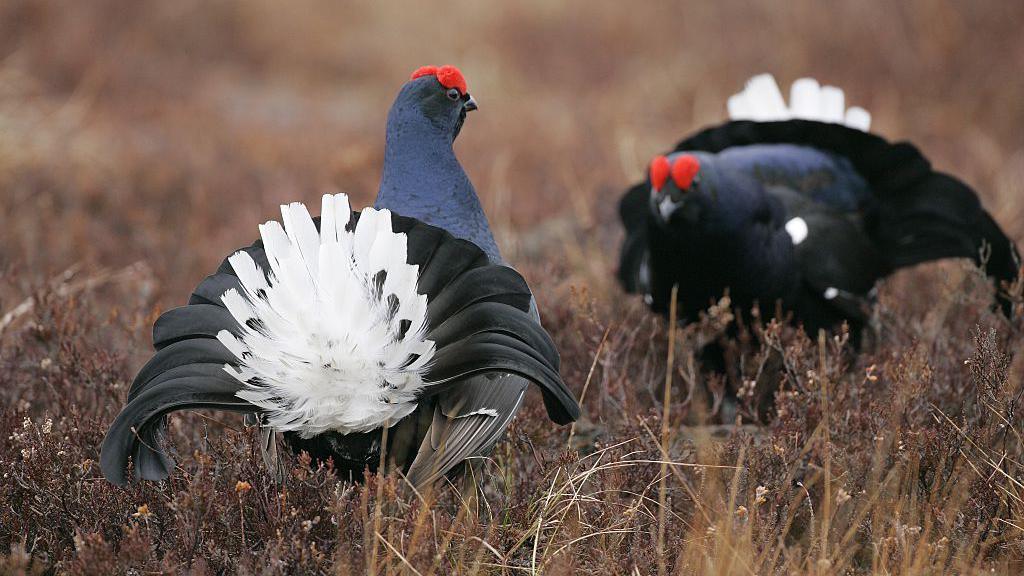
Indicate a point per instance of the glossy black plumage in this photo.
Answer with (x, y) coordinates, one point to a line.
(878, 206)
(479, 316)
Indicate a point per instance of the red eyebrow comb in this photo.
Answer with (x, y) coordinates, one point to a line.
(424, 71)
(684, 169)
(659, 172)
(449, 76)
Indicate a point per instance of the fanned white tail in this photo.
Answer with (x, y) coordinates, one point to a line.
(335, 339)
(762, 101)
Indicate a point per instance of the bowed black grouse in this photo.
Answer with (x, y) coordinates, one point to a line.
(798, 205)
(358, 332)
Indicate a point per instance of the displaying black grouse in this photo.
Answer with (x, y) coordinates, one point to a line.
(797, 205)
(336, 329)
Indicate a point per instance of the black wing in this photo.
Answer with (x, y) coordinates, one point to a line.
(920, 214)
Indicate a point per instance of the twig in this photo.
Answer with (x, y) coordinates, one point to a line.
(586, 384)
(665, 429)
(826, 519)
(379, 496)
(397, 553)
(20, 310)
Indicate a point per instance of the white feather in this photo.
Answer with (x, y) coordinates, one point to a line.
(797, 230)
(275, 244)
(480, 412)
(833, 104)
(328, 230)
(738, 109)
(762, 101)
(765, 99)
(302, 233)
(248, 273)
(859, 118)
(369, 221)
(231, 343)
(317, 348)
(805, 99)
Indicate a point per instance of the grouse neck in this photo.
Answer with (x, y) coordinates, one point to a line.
(423, 179)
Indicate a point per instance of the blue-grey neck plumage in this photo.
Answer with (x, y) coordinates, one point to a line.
(422, 178)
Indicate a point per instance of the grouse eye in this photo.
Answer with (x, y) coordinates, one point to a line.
(453, 94)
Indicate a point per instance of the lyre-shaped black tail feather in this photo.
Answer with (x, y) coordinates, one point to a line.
(921, 214)
(138, 429)
(479, 316)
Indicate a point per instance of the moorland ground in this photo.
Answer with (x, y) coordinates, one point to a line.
(140, 142)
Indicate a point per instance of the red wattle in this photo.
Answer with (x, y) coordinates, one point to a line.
(449, 76)
(424, 71)
(684, 169)
(659, 172)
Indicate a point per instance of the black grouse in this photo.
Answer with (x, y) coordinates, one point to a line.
(358, 332)
(798, 205)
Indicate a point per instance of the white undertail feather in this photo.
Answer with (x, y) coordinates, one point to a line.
(762, 101)
(334, 341)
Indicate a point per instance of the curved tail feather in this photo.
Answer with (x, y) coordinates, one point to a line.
(921, 214)
(138, 428)
(477, 299)
(199, 350)
(260, 318)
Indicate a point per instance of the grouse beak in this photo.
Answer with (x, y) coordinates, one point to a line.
(470, 104)
(667, 202)
(665, 207)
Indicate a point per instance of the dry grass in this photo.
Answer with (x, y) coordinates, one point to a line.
(141, 141)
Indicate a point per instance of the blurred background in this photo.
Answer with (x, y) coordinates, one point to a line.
(141, 141)
(161, 133)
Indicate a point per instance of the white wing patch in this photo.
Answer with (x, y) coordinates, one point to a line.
(335, 339)
(481, 412)
(762, 101)
(797, 230)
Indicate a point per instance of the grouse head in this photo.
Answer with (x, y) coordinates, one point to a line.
(674, 183)
(439, 95)
(690, 197)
